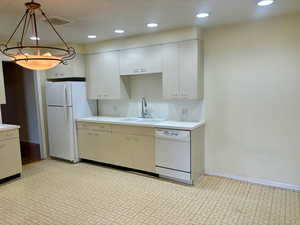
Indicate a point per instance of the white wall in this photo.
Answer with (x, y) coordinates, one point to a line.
(252, 99)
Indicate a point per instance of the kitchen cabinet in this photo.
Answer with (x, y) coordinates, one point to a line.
(134, 151)
(103, 76)
(94, 142)
(74, 68)
(122, 145)
(10, 155)
(143, 155)
(126, 146)
(147, 60)
(135, 147)
(182, 70)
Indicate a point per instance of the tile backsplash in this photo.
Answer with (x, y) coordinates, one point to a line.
(150, 86)
(178, 110)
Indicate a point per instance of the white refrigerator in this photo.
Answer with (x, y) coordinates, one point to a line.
(66, 102)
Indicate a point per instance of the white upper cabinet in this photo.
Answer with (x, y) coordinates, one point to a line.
(182, 70)
(103, 76)
(147, 60)
(74, 68)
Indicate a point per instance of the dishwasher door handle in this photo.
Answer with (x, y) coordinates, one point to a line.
(173, 138)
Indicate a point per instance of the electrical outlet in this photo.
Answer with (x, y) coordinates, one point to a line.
(184, 111)
(115, 108)
(184, 114)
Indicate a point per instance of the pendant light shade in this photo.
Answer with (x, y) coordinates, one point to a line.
(35, 62)
(35, 56)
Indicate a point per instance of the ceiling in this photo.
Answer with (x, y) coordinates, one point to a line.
(101, 17)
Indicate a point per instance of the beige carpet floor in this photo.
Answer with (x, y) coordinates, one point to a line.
(57, 193)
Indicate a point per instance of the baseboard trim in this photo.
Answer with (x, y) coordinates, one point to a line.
(256, 181)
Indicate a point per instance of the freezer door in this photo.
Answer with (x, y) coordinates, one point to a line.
(59, 94)
(60, 128)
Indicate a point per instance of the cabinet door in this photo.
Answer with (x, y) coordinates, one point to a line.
(122, 149)
(143, 153)
(2, 87)
(56, 72)
(109, 75)
(10, 158)
(170, 71)
(151, 61)
(141, 60)
(94, 84)
(104, 81)
(130, 61)
(73, 68)
(95, 145)
(78, 66)
(188, 69)
(87, 145)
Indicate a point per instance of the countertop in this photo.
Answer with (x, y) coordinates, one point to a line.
(155, 123)
(5, 127)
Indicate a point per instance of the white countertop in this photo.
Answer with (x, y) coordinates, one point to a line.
(156, 123)
(5, 127)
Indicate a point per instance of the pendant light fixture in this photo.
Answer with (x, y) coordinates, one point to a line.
(35, 56)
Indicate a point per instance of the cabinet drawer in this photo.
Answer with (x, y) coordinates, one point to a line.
(94, 126)
(133, 130)
(4, 135)
(10, 158)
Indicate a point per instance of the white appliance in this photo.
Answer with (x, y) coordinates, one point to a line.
(173, 154)
(66, 101)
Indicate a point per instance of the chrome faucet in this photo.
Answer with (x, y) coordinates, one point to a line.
(145, 112)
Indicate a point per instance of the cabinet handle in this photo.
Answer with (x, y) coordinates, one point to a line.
(9, 134)
(93, 134)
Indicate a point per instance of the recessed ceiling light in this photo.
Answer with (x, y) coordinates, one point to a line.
(92, 36)
(265, 2)
(152, 25)
(33, 38)
(202, 15)
(119, 31)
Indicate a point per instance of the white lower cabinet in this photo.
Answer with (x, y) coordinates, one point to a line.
(103, 76)
(182, 70)
(136, 147)
(10, 154)
(126, 146)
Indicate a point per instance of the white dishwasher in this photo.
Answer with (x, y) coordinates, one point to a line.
(173, 154)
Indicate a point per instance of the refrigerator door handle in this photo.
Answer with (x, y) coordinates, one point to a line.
(66, 95)
(66, 113)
